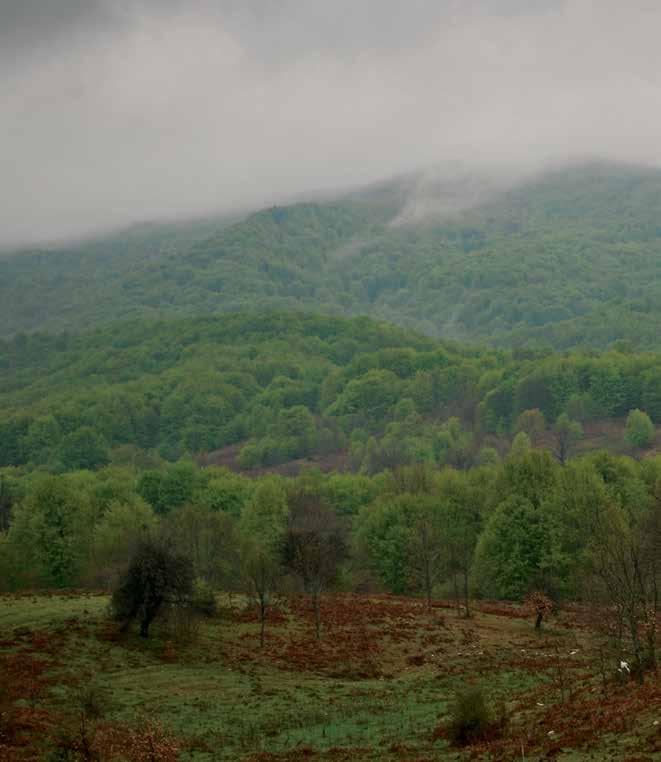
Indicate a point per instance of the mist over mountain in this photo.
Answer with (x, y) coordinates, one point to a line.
(118, 112)
(563, 257)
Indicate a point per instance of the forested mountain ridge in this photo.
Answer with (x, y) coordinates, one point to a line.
(569, 258)
(274, 258)
(283, 386)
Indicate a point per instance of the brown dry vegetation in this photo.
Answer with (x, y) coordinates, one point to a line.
(376, 686)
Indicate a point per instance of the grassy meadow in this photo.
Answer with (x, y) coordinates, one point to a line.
(378, 686)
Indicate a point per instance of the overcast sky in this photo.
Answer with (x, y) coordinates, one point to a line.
(114, 111)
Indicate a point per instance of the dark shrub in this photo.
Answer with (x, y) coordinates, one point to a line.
(472, 718)
(157, 577)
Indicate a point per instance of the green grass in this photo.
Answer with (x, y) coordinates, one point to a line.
(268, 710)
(39, 611)
(226, 700)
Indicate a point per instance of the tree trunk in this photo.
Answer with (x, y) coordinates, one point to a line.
(148, 617)
(317, 615)
(468, 611)
(538, 620)
(651, 646)
(635, 641)
(262, 620)
(456, 593)
(85, 750)
(562, 452)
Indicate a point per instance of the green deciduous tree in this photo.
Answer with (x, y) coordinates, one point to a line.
(510, 551)
(52, 531)
(83, 448)
(265, 516)
(639, 430)
(116, 536)
(43, 436)
(521, 445)
(383, 536)
(169, 488)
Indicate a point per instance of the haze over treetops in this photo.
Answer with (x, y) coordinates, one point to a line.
(568, 258)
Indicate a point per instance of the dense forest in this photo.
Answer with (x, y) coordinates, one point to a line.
(99, 432)
(284, 386)
(570, 258)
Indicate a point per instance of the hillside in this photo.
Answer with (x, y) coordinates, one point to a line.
(378, 687)
(282, 386)
(568, 258)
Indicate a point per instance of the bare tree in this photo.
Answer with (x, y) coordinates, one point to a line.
(427, 552)
(461, 500)
(625, 574)
(565, 433)
(460, 542)
(314, 546)
(263, 574)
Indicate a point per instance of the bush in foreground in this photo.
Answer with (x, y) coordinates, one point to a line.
(472, 718)
(156, 578)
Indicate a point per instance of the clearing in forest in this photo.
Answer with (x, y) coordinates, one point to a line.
(377, 686)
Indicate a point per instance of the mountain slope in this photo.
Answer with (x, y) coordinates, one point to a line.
(571, 257)
(288, 385)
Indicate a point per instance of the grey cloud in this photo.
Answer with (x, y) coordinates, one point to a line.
(124, 110)
(287, 26)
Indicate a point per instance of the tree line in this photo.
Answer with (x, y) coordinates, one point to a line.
(588, 530)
